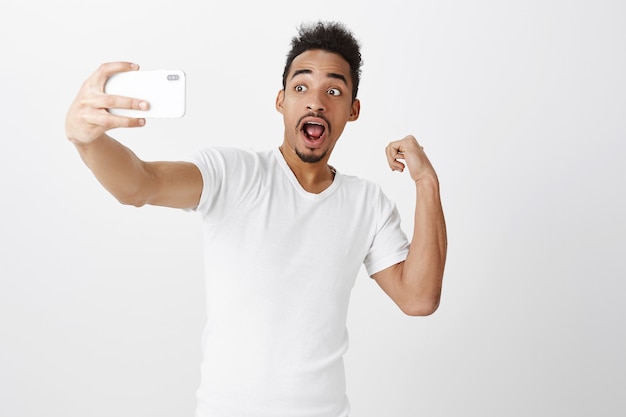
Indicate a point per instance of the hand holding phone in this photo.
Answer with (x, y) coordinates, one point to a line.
(163, 89)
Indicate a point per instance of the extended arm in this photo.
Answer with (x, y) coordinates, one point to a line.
(415, 284)
(119, 170)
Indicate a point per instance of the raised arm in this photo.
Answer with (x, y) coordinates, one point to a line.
(128, 178)
(415, 284)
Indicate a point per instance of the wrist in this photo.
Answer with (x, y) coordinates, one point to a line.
(429, 180)
(86, 143)
(427, 187)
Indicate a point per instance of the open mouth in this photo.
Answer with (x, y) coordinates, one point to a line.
(313, 130)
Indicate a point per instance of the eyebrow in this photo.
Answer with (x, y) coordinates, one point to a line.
(329, 75)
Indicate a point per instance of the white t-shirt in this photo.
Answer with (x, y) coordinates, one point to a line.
(280, 264)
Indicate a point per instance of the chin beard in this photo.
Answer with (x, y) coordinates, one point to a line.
(311, 159)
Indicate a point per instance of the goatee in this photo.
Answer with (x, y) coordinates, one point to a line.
(311, 159)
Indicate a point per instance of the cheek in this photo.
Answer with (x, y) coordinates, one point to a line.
(289, 119)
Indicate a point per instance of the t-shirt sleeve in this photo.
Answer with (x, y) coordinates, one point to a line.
(224, 180)
(390, 244)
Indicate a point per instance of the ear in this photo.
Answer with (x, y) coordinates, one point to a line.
(355, 110)
(280, 99)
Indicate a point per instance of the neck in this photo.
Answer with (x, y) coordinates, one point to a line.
(313, 177)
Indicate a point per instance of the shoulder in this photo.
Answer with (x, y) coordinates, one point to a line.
(229, 174)
(228, 153)
(229, 158)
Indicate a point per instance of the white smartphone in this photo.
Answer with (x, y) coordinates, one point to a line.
(163, 89)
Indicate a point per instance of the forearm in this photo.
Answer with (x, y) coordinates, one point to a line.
(422, 273)
(117, 168)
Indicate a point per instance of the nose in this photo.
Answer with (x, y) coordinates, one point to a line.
(315, 102)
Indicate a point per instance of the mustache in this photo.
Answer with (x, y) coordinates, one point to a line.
(313, 114)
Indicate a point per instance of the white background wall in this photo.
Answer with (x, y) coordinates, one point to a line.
(520, 105)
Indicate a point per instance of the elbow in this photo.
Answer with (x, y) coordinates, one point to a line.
(135, 200)
(134, 194)
(420, 308)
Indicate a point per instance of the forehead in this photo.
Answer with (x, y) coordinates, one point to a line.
(321, 62)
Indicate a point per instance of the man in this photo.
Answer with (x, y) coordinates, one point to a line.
(285, 233)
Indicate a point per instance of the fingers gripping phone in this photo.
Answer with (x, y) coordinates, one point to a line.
(163, 89)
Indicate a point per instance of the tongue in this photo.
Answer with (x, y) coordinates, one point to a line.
(314, 131)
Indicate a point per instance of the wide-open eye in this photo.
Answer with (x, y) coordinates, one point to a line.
(300, 88)
(334, 91)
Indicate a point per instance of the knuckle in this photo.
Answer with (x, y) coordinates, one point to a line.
(108, 101)
(105, 99)
(82, 103)
(103, 68)
(136, 103)
(106, 121)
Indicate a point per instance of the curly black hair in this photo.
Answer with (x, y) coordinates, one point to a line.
(328, 36)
